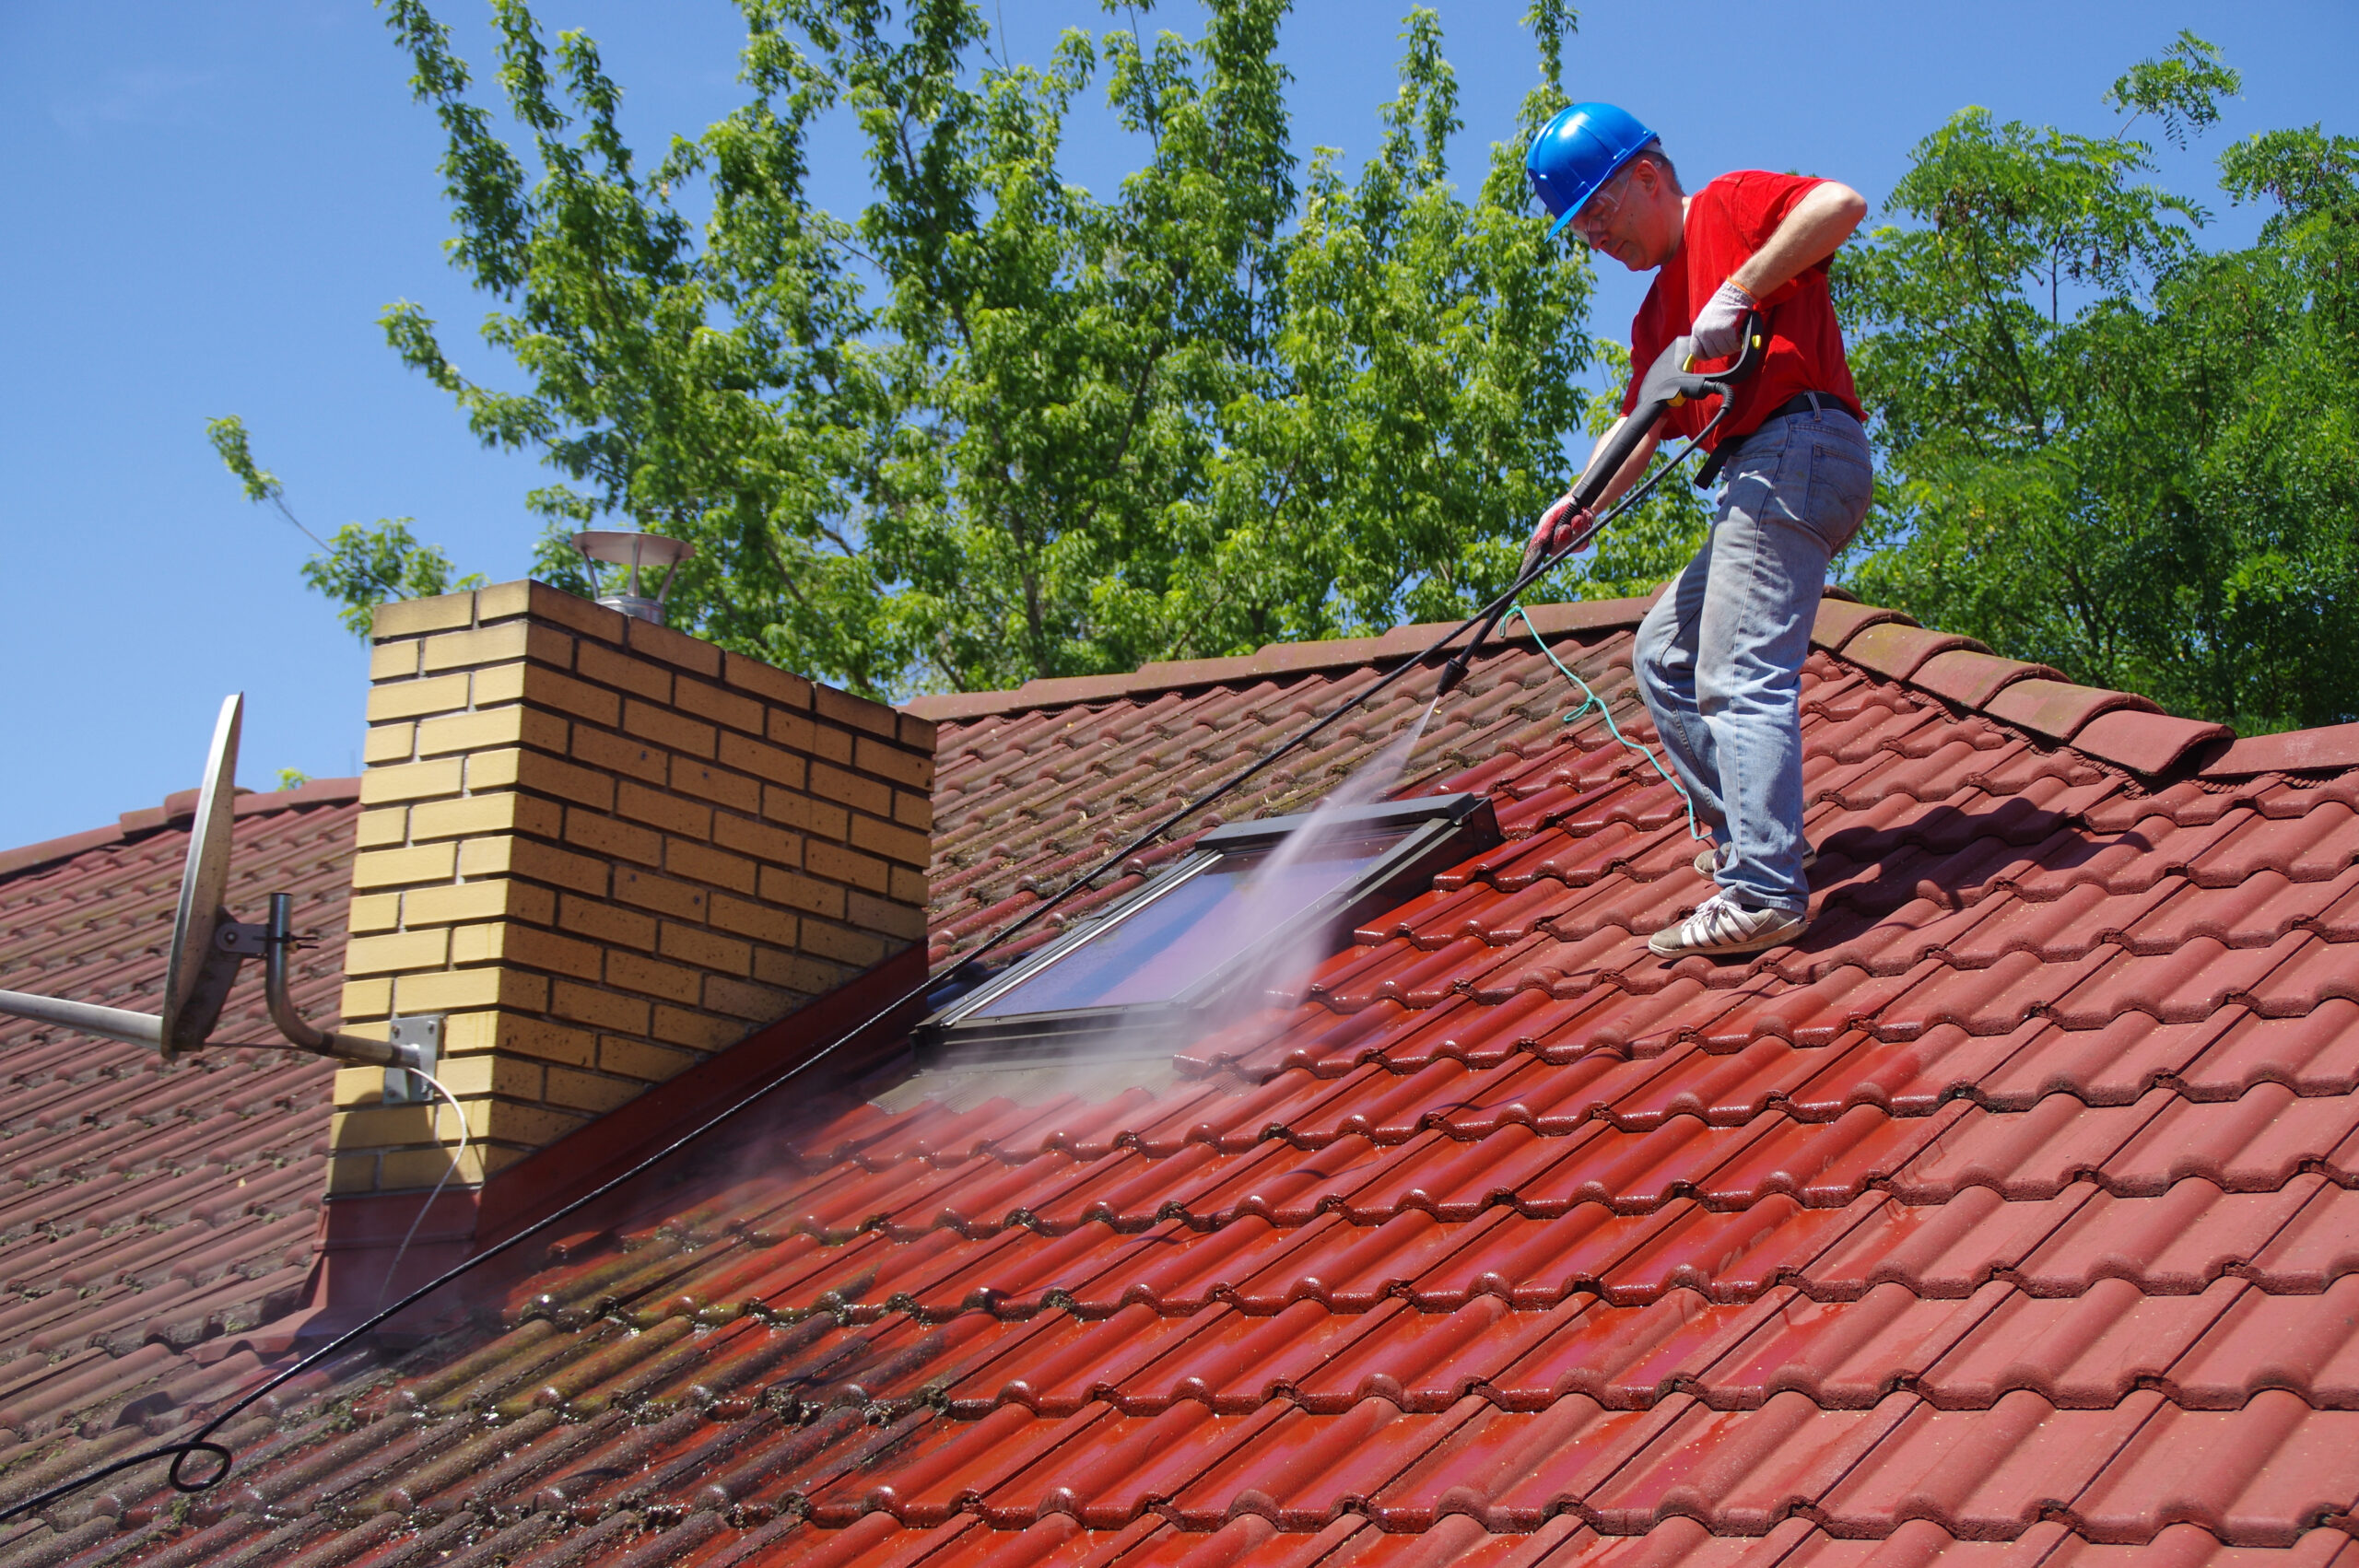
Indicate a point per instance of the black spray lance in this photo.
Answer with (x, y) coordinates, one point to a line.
(1669, 381)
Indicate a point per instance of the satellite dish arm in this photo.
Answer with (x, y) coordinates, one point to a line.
(279, 942)
(87, 1017)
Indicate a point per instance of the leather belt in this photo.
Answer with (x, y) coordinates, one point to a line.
(1800, 402)
(1803, 402)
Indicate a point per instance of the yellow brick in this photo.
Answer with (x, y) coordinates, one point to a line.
(905, 768)
(770, 845)
(495, 899)
(653, 1064)
(413, 617)
(669, 729)
(377, 829)
(477, 815)
(389, 743)
(551, 605)
(648, 977)
(837, 784)
(741, 999)
(514, 769)
(409, 1170)
(589, 1091)
(603, 1010)
(380, 1127)
(393, 660)
(494, 645)
(365, 999)
(609, 668)
(403, 950)
(487, 727)
(685, 857)
(757, 921)
(649, 891)
(605, 923)
(764, 762)
(885, 917)
(537, 685)
(358, 1086)
(541, 862)
(409, 781)
(373, 912)
(806, 894)
(858, 949)
(477, 1076)
(846, 865)
(392, 868)
(456, 988)
(621, 755)
(613, 838)
(854, 712)
(706, 949)
(707, 782)
(764, 681)
(894, 843)
(651, 641)
(407, 700)
(507, 941)
(797, 972)
(909, 888)
(534, 1127)
(510, 1035)
(913, 810)
(917, 734)
(502, 600)
(723, 708)
(352, 1173)
(666, 811)
(797, 733)
(821, 819)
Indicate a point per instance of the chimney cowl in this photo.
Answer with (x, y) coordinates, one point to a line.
(635, 550)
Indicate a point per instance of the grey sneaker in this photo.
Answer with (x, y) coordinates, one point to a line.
(1708, 859)
(1722, 927)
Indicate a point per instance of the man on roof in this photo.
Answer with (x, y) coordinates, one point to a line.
(1718, 658)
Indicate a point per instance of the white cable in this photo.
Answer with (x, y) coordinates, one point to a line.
(427, 1206)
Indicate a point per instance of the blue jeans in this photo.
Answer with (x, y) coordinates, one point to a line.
(1720, 657)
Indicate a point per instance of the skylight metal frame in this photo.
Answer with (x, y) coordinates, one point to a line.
(1438, 831)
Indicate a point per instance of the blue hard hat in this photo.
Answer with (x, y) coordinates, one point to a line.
(1578, 152)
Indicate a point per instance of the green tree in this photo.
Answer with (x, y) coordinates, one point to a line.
(995, 425)
(359, 566)
(2103, 447)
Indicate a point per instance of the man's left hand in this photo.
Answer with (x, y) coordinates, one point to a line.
(1720, 325)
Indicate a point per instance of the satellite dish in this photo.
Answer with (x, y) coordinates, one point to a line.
(209, 946)
(205, 885)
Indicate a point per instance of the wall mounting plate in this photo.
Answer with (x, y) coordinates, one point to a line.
(424, 1035)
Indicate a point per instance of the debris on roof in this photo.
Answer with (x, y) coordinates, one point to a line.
(2009, 1215)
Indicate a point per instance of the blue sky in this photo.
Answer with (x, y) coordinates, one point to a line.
(214, 201)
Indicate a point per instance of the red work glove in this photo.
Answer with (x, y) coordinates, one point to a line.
(1559, 526)
(1720, 325)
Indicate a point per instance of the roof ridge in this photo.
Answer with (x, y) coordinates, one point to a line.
(176, 810)
(1269, 660)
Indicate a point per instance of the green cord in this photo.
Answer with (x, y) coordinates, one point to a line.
(1590, 699)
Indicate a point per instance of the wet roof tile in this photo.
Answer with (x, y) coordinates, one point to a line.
(2012, 1215)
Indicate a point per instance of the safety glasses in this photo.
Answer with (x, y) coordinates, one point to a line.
(1597, 215)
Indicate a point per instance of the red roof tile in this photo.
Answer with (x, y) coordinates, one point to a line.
(2011, 1215)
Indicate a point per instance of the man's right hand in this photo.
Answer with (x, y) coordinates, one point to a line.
(1559, 526)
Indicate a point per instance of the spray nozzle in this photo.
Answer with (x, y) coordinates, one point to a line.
(1452, 673)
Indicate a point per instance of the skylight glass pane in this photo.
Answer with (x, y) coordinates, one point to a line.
(1238, 903)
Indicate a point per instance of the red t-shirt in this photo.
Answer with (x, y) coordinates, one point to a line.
(1726, 222)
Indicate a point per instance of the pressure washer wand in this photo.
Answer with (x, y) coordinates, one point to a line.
(1669, 382)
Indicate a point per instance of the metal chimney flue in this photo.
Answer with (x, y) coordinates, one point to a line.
(614, 547)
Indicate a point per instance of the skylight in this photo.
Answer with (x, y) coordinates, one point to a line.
(1204, 938)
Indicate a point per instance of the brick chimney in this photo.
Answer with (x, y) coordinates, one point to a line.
(603, 850)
